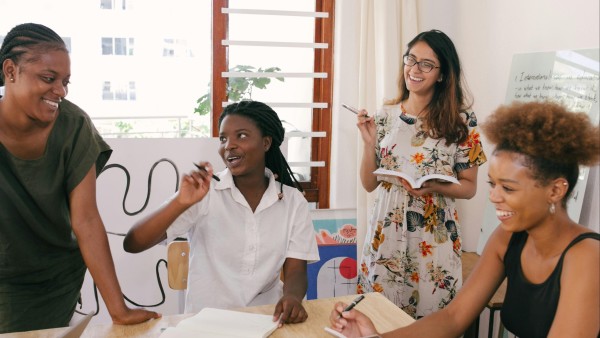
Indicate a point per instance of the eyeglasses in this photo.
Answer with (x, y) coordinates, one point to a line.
(424, 66)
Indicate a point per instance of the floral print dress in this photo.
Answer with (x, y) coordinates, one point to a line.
(412, 248)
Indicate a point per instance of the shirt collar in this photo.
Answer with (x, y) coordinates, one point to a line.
(271, 195)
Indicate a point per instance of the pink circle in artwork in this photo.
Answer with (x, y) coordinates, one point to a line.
(348, 231)
(348, 268)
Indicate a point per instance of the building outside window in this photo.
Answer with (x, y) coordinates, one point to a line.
(130, 68)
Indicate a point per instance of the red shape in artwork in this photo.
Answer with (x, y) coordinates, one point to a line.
(348, 268)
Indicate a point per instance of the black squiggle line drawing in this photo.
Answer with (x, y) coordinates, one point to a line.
(128, 179)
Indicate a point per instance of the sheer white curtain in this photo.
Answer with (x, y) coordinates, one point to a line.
(386, 27)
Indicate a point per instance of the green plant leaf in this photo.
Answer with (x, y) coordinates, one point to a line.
(261, 82)
(239, 88)
(203, 107)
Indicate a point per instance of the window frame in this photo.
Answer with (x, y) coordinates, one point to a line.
(317, 189)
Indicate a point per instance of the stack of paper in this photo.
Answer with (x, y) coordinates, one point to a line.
(217, 323)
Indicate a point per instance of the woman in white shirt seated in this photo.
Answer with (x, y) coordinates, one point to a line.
(243, 229)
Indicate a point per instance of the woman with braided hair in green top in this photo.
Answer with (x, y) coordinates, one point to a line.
(50, 155)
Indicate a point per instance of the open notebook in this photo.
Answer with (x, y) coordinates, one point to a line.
(217, 323)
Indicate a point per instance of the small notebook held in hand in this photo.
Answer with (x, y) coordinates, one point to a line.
(415, 182)
(217, 323)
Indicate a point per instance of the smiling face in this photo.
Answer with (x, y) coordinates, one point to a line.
(521, 202)
(40, 84)
(243, 146)
(417, 81)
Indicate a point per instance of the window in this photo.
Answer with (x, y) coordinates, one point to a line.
(106, 4)
(107, 93)
(115, 4)
(117, 46)
(118, 90)
(145, 76)
(121, 73)
(177, 48)
(244, 35)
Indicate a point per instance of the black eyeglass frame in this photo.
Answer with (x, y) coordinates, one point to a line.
(408, 58)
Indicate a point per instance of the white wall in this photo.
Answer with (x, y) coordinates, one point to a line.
(486, 33)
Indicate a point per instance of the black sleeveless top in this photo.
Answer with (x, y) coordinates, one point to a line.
(529, 309)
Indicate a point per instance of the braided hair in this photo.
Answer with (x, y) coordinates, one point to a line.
(268, 122)
(28, 37)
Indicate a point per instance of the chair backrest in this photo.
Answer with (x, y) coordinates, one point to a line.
(178, 253)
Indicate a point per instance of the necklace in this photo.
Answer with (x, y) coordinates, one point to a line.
(419, 137)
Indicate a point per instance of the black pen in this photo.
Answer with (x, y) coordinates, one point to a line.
(352, 305)
(204, 169)
(352, 109)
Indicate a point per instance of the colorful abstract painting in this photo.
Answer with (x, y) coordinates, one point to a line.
(335, 274)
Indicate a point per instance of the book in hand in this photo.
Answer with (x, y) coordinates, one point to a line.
(415, 183)
(218, 323)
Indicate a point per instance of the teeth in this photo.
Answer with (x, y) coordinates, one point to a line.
(414, 78)
(502, 213)
(233, 158)
(52, 103)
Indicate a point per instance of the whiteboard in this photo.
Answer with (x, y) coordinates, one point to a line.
(570, 77)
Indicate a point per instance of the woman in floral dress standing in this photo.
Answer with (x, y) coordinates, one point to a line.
(413, 245)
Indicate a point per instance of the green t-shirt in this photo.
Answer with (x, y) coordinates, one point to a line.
(41, 268)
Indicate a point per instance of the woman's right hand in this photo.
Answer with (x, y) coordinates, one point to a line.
(351, 323)
(367, 128)
(195, 185)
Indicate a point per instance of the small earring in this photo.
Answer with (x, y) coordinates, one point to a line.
(12, 79)
(552, 209)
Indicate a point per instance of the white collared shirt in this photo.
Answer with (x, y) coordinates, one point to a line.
(236, 255)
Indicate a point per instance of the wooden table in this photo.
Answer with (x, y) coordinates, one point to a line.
(385, 315)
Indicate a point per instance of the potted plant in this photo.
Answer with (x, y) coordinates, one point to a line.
(238, 88)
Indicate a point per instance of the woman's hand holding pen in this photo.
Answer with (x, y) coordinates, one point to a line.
(195, 185)
(351, 323)
(366, 126)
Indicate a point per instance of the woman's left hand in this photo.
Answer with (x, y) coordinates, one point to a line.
(426, 188)
(288, 310)
(351, 323)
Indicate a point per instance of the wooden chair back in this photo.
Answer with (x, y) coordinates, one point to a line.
(178, 253)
